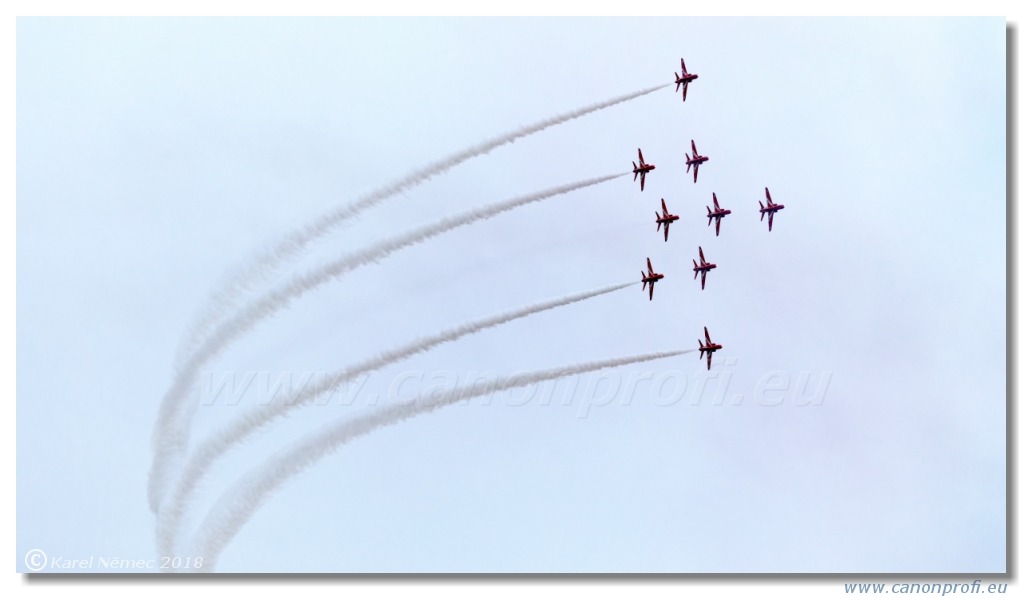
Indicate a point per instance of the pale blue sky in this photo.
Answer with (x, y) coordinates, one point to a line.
(156, 156)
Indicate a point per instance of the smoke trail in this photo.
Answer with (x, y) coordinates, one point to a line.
(264, 265)
(236, 432)
(170, 434)
(238, 505)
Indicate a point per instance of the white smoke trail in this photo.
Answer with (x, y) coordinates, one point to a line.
(236, 432)
(263, 266)
(238, 505)
(170, 435)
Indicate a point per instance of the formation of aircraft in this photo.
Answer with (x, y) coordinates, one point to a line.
(708, 347)
(650, 278)
(702, 268)
(770, 209)
(717, 214)
(664, 218)
(695, 161)
(642, 169)
(684, 79)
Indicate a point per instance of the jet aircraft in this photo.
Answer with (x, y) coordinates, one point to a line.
(650, 278)
(708, 348)
(695, 161)
(717, 214)
(769, 209)
(684, 79)
(702, 268)
(642, 169)
(664, 218)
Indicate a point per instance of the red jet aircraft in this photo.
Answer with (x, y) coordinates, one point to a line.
(717, 214)
(695, 161)
(708, 348)
(770, 209)
(642, 169)
(664, 218)
(702, 268)
(650, 278)
(684, 79)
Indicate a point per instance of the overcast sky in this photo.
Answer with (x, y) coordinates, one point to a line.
(853, 422)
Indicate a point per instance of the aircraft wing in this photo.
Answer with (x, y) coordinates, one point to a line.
(651, 297)
(695, 167)
(694, 147)
(707, 336)
(771, 216)
(701, 251)
(703, 278)
(666, 231)
(641, 154)
(718, 225)
(686, 85)
(643, 176)
(768, 195)
(714, 196)
(709, 360)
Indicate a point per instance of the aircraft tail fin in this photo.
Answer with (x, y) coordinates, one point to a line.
(688, 164)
